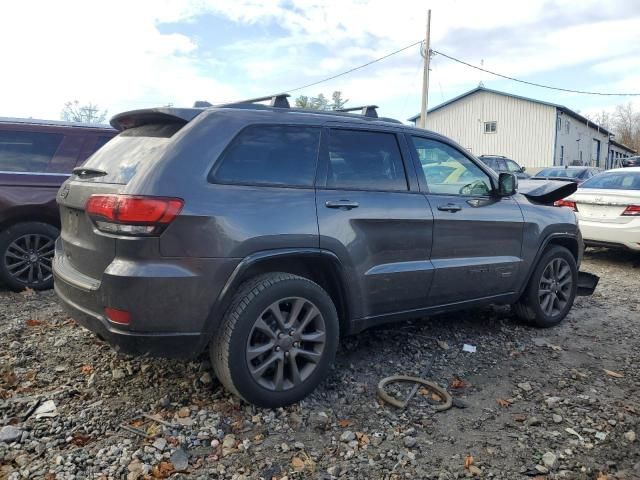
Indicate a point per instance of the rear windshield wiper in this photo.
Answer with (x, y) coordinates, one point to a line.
(85, 172)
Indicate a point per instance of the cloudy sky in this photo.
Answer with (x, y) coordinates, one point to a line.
(126, 54)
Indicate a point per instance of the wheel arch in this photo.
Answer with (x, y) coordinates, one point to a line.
(26, 214)
(317, 265)
(571, 242)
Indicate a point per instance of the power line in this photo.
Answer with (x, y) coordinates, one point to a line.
(354, 69)
(550, 87)
(533, 83)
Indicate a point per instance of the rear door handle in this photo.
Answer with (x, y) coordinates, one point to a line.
(344, 204)
(449, 207)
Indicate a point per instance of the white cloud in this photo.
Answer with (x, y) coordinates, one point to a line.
(114, 54)
(109, 53)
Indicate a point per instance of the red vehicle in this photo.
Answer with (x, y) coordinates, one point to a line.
(36, 156)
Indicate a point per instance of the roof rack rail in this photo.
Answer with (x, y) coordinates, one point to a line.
(366, 110)
(278, 100)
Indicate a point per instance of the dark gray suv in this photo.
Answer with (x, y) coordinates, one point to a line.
(264, 233)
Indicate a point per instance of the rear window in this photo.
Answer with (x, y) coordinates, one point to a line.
(122, 156)
(270, 155)
(560, 172)
(27, 151)
(614, 181)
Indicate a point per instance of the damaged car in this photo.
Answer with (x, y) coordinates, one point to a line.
(261, 234)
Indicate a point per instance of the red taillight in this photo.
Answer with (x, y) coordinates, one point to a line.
(118, 316)
(132, 215)
(566, 203)
(632, 211)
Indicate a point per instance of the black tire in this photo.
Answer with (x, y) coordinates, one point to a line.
(36, 239)
(231, 346)
(532, 306)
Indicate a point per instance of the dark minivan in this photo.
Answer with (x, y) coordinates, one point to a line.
(36, 157)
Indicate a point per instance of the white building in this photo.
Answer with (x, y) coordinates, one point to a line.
(535, 134)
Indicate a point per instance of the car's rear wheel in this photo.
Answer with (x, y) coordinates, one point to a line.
(26, 253)
(551, 290)
(277, 340)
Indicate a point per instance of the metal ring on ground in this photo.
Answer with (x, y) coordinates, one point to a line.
(441, 392)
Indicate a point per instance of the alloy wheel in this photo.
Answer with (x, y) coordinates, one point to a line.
(286, 344)
(28, 259)
(554, 290)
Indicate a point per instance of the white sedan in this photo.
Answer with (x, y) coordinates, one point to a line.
(608, 208)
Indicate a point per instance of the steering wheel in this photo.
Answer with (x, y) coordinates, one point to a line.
(477, 187)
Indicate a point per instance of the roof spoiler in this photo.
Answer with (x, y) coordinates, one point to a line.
(134, 118)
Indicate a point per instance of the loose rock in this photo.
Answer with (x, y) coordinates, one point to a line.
(180, 460)
(10, 434)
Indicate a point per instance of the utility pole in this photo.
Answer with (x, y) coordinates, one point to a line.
(425, 74)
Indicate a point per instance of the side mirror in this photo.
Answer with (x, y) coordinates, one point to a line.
(507, 184)
(523, 169)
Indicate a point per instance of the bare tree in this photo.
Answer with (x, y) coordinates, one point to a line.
(602, 118)
(626, 125)
(89, 113)
(624, 122)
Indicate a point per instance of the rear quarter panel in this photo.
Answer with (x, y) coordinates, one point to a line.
(231, 221)
(541, 223)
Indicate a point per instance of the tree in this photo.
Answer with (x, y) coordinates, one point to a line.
(89, 113)
(602, 118)
(624, 122)
(338, 102)
(321, 102)
(626, 125)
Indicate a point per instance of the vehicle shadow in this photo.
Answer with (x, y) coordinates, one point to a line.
(615, 257)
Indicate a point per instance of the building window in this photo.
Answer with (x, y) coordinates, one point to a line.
(580, 156)
(559, 124)
(567, 126)
(561, 154)
(490, 127)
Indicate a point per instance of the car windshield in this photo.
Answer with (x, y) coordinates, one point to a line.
(614, 181)
(560, 172)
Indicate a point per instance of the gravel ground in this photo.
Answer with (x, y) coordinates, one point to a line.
(557, 403)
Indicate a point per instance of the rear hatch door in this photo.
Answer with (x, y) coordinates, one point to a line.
(109, 170)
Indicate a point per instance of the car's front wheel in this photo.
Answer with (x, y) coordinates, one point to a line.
(277, 340)
(26, 253)
(551, 290)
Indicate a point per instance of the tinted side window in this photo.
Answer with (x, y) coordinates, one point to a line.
(365, 160)
(271, 155)
(500, 165)
(27, 151)
(448, 171)
(490, 162)
(513, 166)
(100, 142)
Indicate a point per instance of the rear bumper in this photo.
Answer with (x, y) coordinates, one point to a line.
(172, 302)
(173, 345)
(625, 235)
